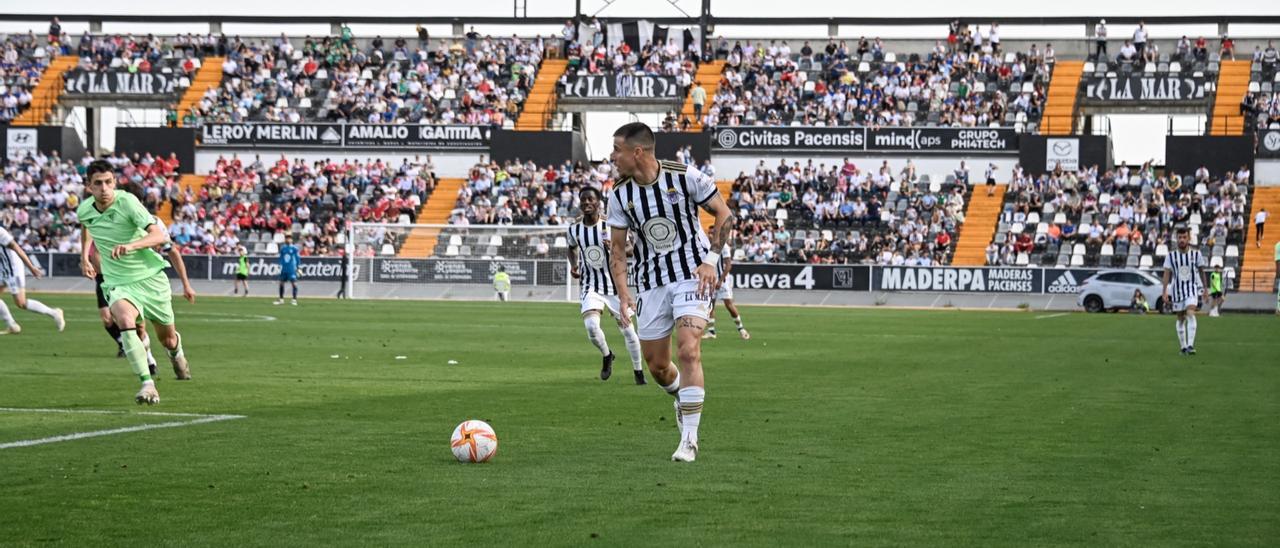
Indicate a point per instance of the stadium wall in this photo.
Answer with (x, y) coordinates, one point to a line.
(544, 147)
(554, 273)
(160, 141)
(46, 139)
(1186, 153)
(1039, 154)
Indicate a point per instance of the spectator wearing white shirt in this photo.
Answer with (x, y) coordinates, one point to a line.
(1140, 37)
(1259, 224)
(1100, 38)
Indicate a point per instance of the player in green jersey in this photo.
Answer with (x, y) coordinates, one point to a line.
(502, 283)
(124, 233)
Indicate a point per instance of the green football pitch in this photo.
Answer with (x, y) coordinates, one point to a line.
(331, 423)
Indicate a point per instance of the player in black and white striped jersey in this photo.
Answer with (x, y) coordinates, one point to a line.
(676, 271)
(13, 277)
(589, 262)
(725, 294)
(1184, 270)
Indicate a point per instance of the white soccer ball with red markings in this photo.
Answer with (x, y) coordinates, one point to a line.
(474, 441)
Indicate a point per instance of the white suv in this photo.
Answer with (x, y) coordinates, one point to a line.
(1113, 289)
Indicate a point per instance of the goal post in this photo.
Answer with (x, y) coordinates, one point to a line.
(387, 261)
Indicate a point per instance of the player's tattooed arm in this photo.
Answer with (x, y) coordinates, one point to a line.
(725, 220)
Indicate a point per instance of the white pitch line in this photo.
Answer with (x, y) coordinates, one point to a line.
(1053, 315)
(196, 419)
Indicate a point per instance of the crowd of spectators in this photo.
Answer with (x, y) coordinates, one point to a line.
(1261, 104)
(39, 195)
(478, 80)
(1121, 217)
(22, 61)
(588, 52)
(843, 214)
(252, 204)
(959, 83)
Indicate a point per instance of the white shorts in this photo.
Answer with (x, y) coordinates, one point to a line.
(726, 289)
(17, 282)
(658, 309)
(1179, 306)
(597, 302)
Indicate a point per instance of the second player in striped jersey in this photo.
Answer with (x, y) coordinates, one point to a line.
(1184, 270)
(589, 262)
(725, 293)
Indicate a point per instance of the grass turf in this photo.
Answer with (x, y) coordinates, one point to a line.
(868, 427)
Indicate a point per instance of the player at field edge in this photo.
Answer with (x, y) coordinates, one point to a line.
(502, 284)
(676, 272)
(1184, 267)
(589, 263)
(13, 277)
(124, 233)
(289, 260)
(242, 272)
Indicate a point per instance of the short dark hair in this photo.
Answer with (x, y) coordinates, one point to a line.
(98, 166)
(1182, 230)
(591, 190)
(135, 189)
(636, 133)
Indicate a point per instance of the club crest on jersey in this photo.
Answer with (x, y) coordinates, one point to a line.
(672, 196)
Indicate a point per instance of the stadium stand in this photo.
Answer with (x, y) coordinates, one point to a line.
(943, 87)
(841, 214)
(1120, 218)
(476, 81)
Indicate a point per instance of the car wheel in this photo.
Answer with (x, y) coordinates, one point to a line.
(1093, 303)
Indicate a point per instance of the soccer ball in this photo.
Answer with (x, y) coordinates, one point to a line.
(474, 441)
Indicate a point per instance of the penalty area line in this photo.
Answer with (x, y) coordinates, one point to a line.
(194, 419)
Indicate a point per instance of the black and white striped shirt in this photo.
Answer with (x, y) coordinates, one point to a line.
(1184, 268)
(8, 261)
(669, 242)
(592, 243)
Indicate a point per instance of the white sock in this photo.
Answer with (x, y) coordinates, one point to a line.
(738, 320)
(1182, 333)
(633, 346)
(5, 315)
(595, 334)
(691, 412)
(1191, 330)
(39, 308)
(146, 343)
(674, 387)
(711, 325)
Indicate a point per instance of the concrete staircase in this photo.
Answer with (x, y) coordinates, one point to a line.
(45, 96)
(980, 219)
(421, 242)
(209, 75)
(1060, 110)
(725, 188)
(194, 182)
(541, 103)
(1233, 83)
(708, 78)
(1258, 270)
